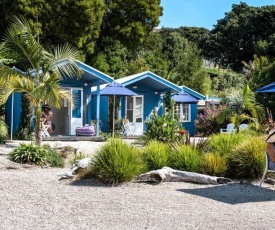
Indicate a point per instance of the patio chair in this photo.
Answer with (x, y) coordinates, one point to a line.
(266, 169)
(44, 130)
(128, 128)
(243, 126)
(229, 129)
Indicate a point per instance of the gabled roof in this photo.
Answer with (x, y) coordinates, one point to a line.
(150, 79)
(92, 75)
(193, 93)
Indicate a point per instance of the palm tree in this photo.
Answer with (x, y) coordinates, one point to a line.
(43, 70)
(244, 108)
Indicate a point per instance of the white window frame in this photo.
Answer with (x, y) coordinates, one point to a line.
(184, 112)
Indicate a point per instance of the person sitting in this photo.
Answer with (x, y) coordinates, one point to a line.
(47, 115)
(270, 149)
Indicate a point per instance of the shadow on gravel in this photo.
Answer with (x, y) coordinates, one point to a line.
(234, 193)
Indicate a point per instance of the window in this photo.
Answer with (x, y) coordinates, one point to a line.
(183, 111)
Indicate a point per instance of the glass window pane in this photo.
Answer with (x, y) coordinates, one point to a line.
(76, 94)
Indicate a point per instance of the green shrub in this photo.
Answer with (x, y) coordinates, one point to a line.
(213, 164)
(247, 160)
(185, 157)
(117, 162)
(54, 158)
(29, 154)
(165, 127)
(38, 155)
(3, 131)
(155, 155)
(224, 143)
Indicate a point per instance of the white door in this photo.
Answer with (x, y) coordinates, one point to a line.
(134, 113)
(77, 110)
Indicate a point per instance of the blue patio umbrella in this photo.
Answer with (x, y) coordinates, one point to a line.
(116, 89)
(184, 97)
(270, 88)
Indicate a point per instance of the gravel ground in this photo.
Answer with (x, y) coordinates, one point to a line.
(34, 198)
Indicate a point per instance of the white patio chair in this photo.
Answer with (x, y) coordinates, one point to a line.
(229, 129)
(44, 129)
(243, 126)
(128, 128)
(266, 169)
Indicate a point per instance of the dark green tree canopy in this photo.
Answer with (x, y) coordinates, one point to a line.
(234, 38)
(76, 22)
(131, 21)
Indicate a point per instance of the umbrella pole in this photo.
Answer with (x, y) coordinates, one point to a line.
(114, 102)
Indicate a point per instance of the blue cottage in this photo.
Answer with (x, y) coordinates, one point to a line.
(67, 118)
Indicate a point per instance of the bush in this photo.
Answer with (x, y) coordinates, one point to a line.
(117, 162)
(38, 155)
(247, 160)
(156, 155)
(167, 127)
(3, 131)
(213, 164)
(185, 157)
(206, 122)
(224, 143)
(29, 154)
(54, 158)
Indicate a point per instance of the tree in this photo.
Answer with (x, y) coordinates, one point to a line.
(242, 107)
(130, 21)
(43, 70)
(76, 22)
(235, 37)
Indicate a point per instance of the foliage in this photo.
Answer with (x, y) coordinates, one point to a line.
(38, 155)
(117, 162)
(3, 131)
(213, 164)
(235, 37)
(58, 22)
(222, 144)
(185, 157)
(243, 108)
(206, 122)
(21, 46)
(25, 130)
(156, 155)
(247, 160)
(167, 127)
(54, 158)
(130, 22)
(29, 154)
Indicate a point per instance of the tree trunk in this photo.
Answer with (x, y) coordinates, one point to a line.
(38, 127)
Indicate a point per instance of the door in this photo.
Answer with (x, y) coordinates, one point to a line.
(134, 113)
(77, 110)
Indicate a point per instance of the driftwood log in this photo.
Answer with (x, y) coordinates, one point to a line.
(83, 163)
(167, 174)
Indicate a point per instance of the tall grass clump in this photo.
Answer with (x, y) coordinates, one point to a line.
(117, 162)
(213, 164)
(224, 143)
(185, 157)
(156, 155)
(247, 160)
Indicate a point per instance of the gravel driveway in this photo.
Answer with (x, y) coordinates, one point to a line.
(34, 198)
